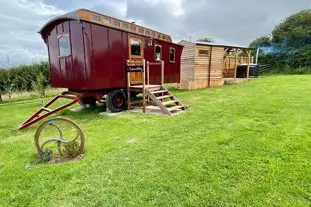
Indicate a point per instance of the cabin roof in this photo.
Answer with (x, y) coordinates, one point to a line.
(217, 45)
(96, 18)
(222, 45)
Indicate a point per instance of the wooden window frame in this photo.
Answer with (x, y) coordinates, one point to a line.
(69, 42)
(155, 52)
(204, 55)
(169, 54)
(96, 18)
(141, 48)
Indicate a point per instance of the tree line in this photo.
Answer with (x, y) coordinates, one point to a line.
(24, 78)
(288, 48)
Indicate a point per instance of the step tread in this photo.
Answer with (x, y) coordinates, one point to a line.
(163, 97)
(161, 91)
(169, 102)
(174, 108)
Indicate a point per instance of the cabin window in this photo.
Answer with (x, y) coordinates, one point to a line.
(96, 18)
(163, 37)
(64, 46)
(148, 32)
(172, 55)
(158, 52)
(116, 24)
(204, 53)
(135, 47)
(159, 35)
(133, 28)
(125, 26)
(106, 21)
(141, 30)
(154, 34)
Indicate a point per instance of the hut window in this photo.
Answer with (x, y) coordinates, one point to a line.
(125, 26)
(133, 28)
(96, 18)
(158, 54)
(106, 21)
(135, 47)
(141, 30)
(64, 46)
(203, 52)
(116, 24)
(172, 55)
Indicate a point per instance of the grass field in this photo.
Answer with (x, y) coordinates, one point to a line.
(238, 145)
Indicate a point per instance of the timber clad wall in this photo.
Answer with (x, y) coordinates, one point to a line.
(187, 62)
(206, 65)
(201, 70)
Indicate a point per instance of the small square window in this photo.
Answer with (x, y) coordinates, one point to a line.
(125, 26)
(141, 30)
(204, 53)
(159, 35)
(154, 34)
(107, 21)
(116, 23)
(172, 55)
(148, 32)
(133, 28)
(96, 18)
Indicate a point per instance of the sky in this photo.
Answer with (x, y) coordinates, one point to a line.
(226, 21)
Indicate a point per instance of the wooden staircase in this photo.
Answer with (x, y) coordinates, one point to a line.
(156, 95)
(159, 96)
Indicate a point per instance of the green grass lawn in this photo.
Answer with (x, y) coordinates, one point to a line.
(240, 145)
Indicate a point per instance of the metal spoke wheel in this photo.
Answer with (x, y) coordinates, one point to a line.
(59, 137)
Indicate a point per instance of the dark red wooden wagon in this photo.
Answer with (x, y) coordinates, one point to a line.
(96, 57)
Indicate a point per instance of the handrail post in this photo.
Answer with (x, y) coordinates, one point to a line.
(144, 85)
(162, 73)
(148, 74)
(128, 87)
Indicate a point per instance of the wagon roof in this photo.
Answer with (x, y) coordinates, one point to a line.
(96, 18)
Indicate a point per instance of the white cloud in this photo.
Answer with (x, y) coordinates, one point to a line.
(19, 22)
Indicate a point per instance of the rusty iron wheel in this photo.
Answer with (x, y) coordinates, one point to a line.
(59, 139)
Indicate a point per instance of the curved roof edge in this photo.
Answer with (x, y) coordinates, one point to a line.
(68, 16)
(97, 18)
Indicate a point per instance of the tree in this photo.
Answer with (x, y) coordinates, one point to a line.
(264, 41)
(295, 26)
(206, 39)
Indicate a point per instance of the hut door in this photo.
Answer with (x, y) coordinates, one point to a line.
(136, 55)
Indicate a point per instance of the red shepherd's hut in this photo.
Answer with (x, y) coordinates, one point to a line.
(91, 55)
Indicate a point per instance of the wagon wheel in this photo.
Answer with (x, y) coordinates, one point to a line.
(59, 136)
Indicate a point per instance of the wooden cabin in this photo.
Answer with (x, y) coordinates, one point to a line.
(208, 64)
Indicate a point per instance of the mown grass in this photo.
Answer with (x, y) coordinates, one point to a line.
(237, 145)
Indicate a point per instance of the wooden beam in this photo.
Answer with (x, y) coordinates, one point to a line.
(235, 63)
(249, 61)
(144, 85)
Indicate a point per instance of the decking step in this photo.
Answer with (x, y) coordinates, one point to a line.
(163, 97)
(166, 103)
(161, 91)
(175, 108)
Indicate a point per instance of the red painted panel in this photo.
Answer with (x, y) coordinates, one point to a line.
(117, 60)
(68, 64)
(78, 59)
(87, 35)
(101, 64)
(56, 80)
